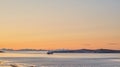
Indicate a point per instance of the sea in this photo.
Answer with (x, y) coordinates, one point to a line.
(41, 59)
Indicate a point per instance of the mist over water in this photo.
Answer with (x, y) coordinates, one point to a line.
(40, 59)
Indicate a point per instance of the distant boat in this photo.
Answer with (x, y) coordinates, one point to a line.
(1, 51)
(50, 52)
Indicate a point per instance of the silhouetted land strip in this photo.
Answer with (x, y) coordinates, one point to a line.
(84, 51)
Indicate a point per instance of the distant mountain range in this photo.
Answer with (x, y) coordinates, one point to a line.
(85, 51)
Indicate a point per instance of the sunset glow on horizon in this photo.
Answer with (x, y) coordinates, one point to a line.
(60, 24)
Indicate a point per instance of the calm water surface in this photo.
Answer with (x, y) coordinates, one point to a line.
(62, 60)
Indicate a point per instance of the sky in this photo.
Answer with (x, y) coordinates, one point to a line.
(60, 24)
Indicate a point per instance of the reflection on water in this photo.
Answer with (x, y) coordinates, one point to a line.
(63, 60)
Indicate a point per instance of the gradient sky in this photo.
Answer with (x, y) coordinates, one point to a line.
(56, 24)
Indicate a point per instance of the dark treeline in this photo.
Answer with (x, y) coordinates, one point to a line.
(86, 51)
(69, 51)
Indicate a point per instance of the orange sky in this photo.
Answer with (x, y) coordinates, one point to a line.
(60, 24)
(61, 42)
